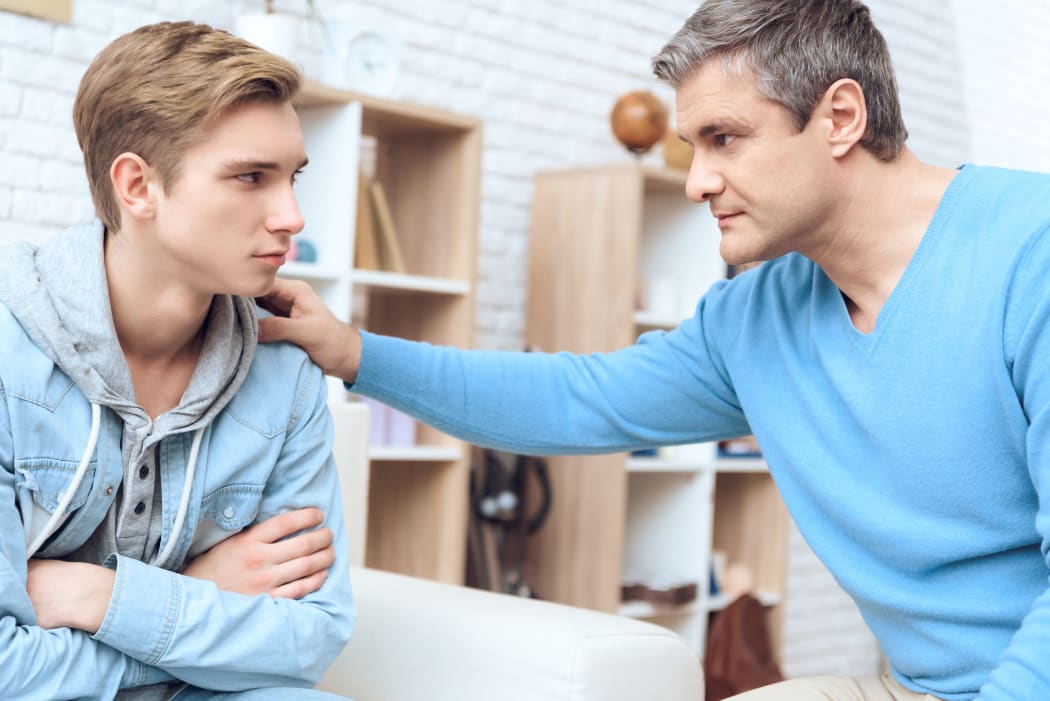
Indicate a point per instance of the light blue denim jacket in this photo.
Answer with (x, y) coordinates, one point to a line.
(265, 447)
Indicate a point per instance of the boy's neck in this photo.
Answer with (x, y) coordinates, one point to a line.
(159, 323)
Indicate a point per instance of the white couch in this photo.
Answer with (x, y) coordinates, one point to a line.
(418, 640)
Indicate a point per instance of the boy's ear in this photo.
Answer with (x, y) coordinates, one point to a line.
(133, 185)
(846, 112)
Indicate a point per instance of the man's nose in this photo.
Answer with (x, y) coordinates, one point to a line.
(703, 180)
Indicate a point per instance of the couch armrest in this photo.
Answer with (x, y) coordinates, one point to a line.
(417, 639)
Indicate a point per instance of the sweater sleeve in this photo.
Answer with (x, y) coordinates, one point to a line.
(47, 663)
(225, 641)
(1022, 673)
(668, 388)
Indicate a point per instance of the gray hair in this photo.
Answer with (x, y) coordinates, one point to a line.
(795, 49)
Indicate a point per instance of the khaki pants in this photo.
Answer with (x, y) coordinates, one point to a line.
(884, 688)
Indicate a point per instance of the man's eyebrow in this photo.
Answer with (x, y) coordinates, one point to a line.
(721, 127)
(246, 165)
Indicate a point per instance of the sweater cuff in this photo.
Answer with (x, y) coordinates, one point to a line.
(142, 611)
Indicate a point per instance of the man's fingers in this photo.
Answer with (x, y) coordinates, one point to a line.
(300, 587)
(275, 328)
(281, 298)
(283, 525)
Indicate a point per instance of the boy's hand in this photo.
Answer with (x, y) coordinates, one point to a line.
(258, 561)
(69, 594)
(303, 319)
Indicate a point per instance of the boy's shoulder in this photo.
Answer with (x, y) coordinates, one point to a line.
(282, 384)
(25, 370)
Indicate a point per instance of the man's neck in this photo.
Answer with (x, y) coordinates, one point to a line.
(159, 322)
(888, 208)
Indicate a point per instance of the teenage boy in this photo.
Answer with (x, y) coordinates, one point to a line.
(891, 356)
(141, 429)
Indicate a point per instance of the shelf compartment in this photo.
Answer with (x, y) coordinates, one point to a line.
(720, 601)
(648, 320)
(662, 465)
(644, 609)
(380, 280)
(415, 453)
(310, 271)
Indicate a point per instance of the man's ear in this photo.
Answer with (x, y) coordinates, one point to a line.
(134, 183)
(846, 112)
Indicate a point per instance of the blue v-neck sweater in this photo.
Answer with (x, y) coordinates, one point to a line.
(914, 459)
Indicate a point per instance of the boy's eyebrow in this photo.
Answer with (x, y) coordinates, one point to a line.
(259, 165)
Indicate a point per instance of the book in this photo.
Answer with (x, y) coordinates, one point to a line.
(386, 235)
(366, 248)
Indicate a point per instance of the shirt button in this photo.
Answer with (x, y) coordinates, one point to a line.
(228, 512)
(109, 490)
(144, 472)
(139, 508)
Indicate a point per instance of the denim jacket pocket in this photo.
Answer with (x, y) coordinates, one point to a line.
(233, 506)
(224, 511)
(46, 480)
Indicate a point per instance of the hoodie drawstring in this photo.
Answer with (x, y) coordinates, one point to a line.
(184, 500)
(63, 503)
(58, 515)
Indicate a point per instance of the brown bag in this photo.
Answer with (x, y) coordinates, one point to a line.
(739, 653)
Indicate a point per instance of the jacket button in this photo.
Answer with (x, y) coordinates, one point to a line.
(144, 472)
(109, 490)
(139, 508)
(228, 512)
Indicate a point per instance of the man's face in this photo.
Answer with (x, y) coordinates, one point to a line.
(226, 222)
(769, 185)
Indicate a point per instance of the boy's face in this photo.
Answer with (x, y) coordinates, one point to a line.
(226, 222)
(769, 185)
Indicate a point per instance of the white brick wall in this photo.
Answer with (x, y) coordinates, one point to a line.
(543, 75)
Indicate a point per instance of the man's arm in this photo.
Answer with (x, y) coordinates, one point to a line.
(303, 319)
(227, 641)
(668, 389)
(1022, 673)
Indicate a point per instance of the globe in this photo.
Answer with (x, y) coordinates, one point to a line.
(639, 120)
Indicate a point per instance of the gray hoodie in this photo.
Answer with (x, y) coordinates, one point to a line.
(59, 294)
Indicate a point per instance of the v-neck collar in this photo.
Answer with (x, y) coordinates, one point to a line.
(835, 303)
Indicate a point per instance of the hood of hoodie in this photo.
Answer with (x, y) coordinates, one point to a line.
(60, 296)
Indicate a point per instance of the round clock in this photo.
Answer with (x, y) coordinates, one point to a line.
(372, 63)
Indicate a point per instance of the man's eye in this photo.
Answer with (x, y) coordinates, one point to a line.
(252, 178)
(724, 139)
(295, 176)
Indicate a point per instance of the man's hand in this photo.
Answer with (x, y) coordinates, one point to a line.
(305, 320)
(69, 594)
(258, 561)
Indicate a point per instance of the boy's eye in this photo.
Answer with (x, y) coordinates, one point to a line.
(252, 178)
(295, 175)
(724, 139)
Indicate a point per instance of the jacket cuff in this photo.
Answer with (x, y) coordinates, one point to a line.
(142, 611)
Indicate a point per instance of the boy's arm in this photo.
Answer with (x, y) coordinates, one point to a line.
(39, 663)
(226, 641)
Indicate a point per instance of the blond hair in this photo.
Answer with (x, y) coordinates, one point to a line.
(155, 91)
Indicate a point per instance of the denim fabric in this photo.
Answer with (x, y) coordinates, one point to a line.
(268, 451)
